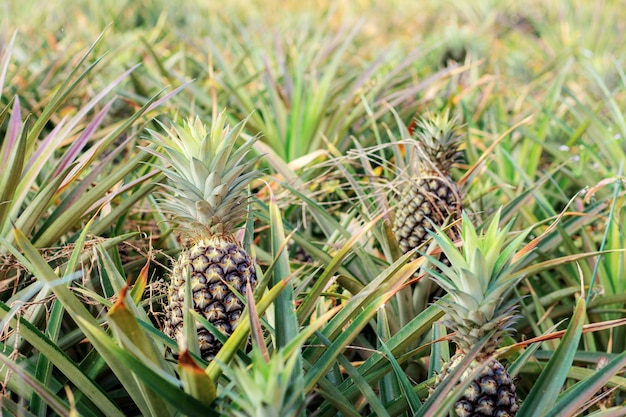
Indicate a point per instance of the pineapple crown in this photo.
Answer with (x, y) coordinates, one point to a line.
(208, 174)
(478, 280)
(438, 140)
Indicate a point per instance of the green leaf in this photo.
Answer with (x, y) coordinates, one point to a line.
(43, 372)
(159, 382)
(37, 265)
(34, 262)
(141, 282)
(378, 365)
(57, 404)
(379, 290)
(36, 209)
(63, 91)
(285, 315)
(327, 274)
(322, 364)
(14, 409)
(617, 411)
(361, 383)
(5, 59)
(61, 361)
(58, 223)
(390, 385)
(189, 339)
(12, 159)
(337, 399)
(545, 391)
(575, 398)
(440, 352)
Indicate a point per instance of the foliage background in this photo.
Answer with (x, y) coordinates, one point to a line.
(332, 87)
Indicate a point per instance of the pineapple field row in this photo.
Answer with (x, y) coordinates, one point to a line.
(324, 208)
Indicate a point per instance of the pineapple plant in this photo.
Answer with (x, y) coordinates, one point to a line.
(477, 282)
(430, 197)
(206, 197)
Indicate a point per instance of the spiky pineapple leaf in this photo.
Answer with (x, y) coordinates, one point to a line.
(57, 404)
(348, 323)
(207, 173)
(439, 352)
(266, 387)
(544, 393)
(70, 84)
(12, 156)
(44, 368)
(307, 306)
(389, 386)
(14, 409)
(575, 397)
(36, 209)
(159, 383)
(35, 263)
(378, 365)
(361, 383)
(57, 224)
(50, 350)
(286, 320)
(336, 400)
(5, 59)
(141, 282)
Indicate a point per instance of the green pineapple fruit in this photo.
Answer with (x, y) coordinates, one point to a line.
(206, 197)
(477, 282)
(431, 196)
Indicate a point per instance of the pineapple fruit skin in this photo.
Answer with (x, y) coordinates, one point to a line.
(491, 392)
(426, 201)
(219, 270)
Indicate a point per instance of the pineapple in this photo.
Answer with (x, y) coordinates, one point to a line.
(206, 197)
(477, 282)
(431, 196)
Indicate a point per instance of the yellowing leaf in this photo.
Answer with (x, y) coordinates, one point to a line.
(127, 330)
(195, 381)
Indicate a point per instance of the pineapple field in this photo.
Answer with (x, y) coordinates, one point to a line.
(320, 208)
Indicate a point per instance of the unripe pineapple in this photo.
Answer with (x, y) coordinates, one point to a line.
(206, 197)
(430, 197)
(477, 282)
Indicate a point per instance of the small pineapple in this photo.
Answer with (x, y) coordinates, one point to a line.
(477, 282)
(431, 196)
(207, 199)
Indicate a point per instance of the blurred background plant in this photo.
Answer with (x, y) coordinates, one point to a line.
(331, 89)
